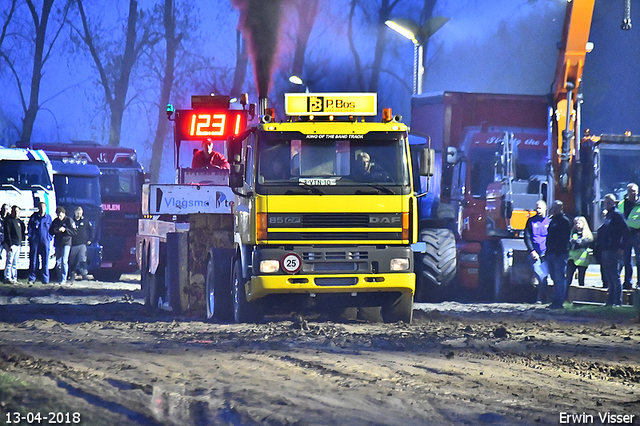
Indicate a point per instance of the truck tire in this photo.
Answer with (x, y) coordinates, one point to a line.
(500, 279)
(107, 275)
(144, 276)
(398, 309)
(437, 266)
(243, 310)
(155, 288)
(218, 293)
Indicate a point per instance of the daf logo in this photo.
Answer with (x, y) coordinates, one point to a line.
(384, 219)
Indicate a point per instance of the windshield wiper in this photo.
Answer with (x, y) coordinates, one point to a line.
(311, 188)
(380, 188)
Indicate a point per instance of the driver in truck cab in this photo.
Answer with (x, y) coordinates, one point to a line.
(367, 171)
(207, 157)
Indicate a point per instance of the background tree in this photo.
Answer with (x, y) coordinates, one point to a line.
(115, 60)
(172, 42)
(306, 11)
(6, 20)
(34, 34)
(242, 60)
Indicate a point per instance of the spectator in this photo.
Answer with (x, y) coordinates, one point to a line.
(79, 242)
(612, 239)
(14, 235)
(558, 235)
(4, 212)
(535, 236)
(62, 231)
(39, 243)
(581, 239)
(630, 209)
(207, 157)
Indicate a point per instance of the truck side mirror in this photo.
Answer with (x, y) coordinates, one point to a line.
(427, 161)
(236, 175)
(508, 210)
(234, 149)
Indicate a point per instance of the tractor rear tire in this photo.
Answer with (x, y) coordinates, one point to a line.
(438, 265)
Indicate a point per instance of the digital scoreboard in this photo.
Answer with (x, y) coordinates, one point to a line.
(209, 118)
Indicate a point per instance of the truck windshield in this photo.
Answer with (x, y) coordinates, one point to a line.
(77, 189)
(24, 174)
(618, 167)
(529, 162)
(332, 160)
(120, 184)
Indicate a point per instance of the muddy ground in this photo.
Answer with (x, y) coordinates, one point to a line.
(93, 349)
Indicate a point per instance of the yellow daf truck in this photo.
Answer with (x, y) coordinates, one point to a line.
(325, 212)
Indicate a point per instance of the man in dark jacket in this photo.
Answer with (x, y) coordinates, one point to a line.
(14, 235)
(39, 243)
(558, 237)
(62, 231)
(630, 209)
(82, 237)
(613, 237)
(535, 237)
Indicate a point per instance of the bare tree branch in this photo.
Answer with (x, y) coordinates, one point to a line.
(7, 21)
(88, 39)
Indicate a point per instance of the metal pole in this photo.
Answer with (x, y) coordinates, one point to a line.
(415, 69)
(420, 71)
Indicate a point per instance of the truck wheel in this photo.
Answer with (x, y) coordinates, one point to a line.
(218, 293)
(500, 280)
(144, 276)
(398, 309)
(438, 265)
(243, 311)
(107, 275)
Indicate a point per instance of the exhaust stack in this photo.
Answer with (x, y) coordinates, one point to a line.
(262, 106)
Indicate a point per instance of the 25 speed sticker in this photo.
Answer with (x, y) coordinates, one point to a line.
(291, 263)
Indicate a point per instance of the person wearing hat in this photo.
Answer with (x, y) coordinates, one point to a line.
(207, 157)
(613, 237)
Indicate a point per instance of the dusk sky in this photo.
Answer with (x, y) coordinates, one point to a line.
(495, 46)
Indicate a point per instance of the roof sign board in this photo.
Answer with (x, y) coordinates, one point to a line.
(322, 104)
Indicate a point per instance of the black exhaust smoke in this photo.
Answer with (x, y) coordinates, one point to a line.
(260, 26)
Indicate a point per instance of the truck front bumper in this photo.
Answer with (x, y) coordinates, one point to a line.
(261, 286)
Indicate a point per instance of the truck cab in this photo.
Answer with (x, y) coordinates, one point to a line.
(325, 212)
(26, 179)
(77, 184)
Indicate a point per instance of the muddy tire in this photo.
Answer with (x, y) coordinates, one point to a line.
(437, 266)
(144, 277)
(370, 314)
(155, 288)
(243, 310)
(107, 275)
(218, 293)
(398, 309)
(500, 280)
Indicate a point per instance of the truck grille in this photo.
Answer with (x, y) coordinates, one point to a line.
(331, 220)
(332, 236)
(319, 256)
(324, 226)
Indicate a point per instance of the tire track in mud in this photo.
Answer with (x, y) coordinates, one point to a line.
(93, 387)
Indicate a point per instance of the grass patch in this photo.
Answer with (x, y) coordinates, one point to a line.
(599, 311)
